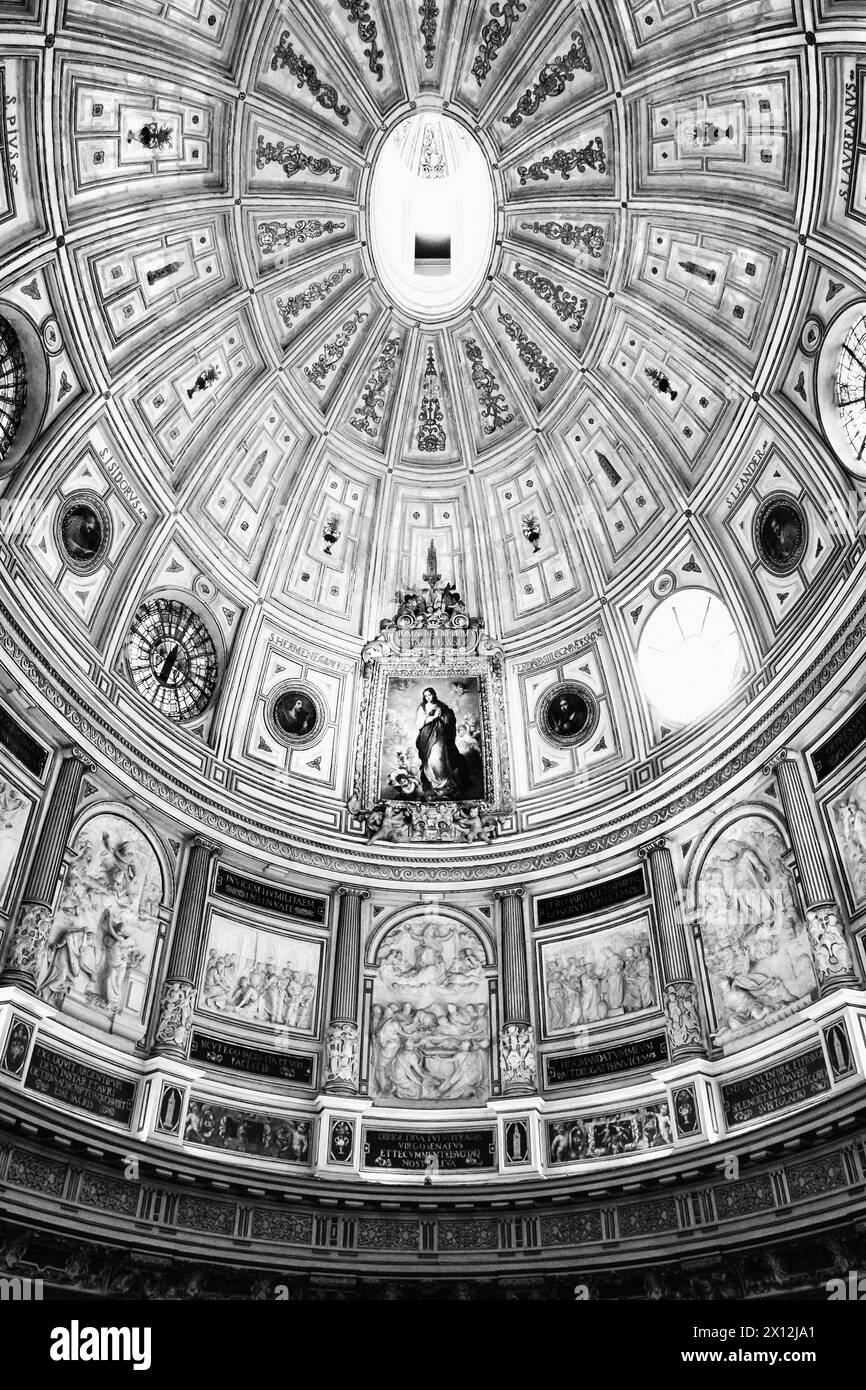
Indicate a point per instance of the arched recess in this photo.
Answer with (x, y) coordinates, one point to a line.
(832, 349)
(754, 948)
(430, 1019)
(101, 959)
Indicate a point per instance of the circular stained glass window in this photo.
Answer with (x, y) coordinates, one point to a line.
(172, 658)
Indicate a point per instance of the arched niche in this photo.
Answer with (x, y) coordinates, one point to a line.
(754, 945)
(828, 400)
(101, 957)
(37, 379)
(429, 1011)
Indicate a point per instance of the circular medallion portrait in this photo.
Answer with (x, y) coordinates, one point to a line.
(780, 532)
(568, 713)
(295, 714)
(83, 531)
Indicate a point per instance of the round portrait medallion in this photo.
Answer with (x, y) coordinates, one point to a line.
(568, 713)
(780, 532)
(295, 713)
(83, 531)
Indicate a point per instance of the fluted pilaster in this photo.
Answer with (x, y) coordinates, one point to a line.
(174, 1026)
(831, 951)
(679, 991)
(343, 1034)
(516, 1037)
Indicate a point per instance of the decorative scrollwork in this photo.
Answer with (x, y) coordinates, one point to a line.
(324, 94)
(429, 13)
(566, 162)
(551, 80)
(565, 305)
(317, 290)
(332, 352)
(359, 13)
(502, 19)
(273, 235)
(367, 416)
(528, 351)
(431, 435)
(584, 236)
(292, 159)
(494, 407)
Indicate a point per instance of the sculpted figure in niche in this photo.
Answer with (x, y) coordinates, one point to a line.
(755, 940)
(429, 1023)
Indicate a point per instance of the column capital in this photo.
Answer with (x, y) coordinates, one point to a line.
(781, 755)
(202, 842)
(80, 756)
(352, 892)
(652, 847)
(517, 891)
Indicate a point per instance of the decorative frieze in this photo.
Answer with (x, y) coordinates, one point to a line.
(316, 291)
(495, 414)
(272, 236)
(293, 159)
(367, 416)
(359, 13)
(332, 352)
(431, 435)
(567, 307)
(551, 81)
(503, 17)
(583, 236)
(566, 162)
(324, 94)
(429, 13)
(528, 351)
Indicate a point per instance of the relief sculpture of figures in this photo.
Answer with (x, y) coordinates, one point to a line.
(849, 824)
(260, 977)
(430, 1026)
(100, 947)
(755, 940)
(14, 814)
(598, 976)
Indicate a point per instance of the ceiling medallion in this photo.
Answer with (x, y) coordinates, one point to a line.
(568, 713)
(780, 532)
(83, 531)
(295, 714)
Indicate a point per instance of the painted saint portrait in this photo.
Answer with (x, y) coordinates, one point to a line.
(294, 714)
(98, 958)
(567, 713)
(780, 533)
(432, 741)
(429, 1023)
(269, 979)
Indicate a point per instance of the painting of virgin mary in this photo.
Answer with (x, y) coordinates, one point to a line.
(432, 748)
